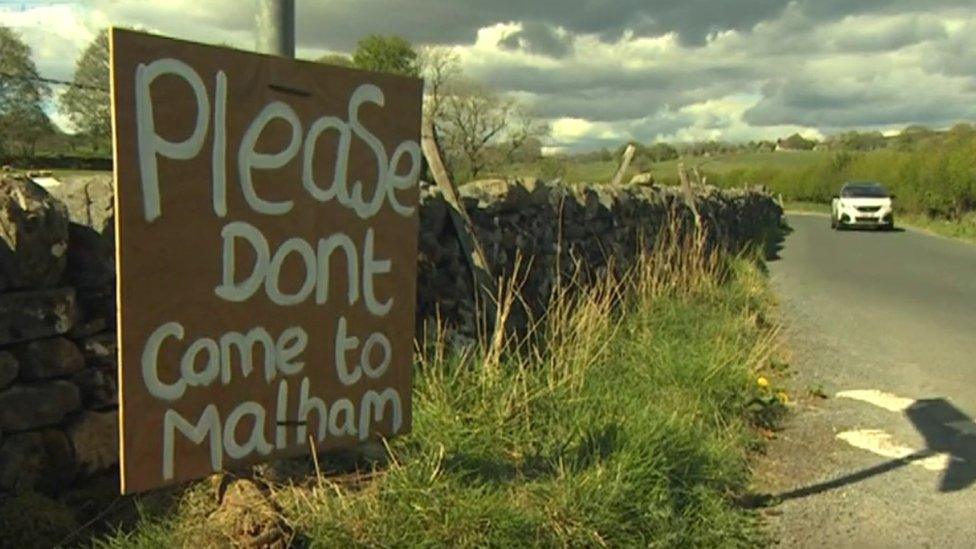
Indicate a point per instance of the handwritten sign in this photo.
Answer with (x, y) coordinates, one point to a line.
(266, 220)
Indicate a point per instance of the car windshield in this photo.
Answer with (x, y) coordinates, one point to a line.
(864, 190)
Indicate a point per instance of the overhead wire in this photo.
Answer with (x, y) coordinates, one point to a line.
(54, 81)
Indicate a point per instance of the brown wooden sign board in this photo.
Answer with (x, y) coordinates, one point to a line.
(266, 225)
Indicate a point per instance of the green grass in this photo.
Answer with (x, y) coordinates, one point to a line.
(629, 423)
(67, 173)
(725, 163)
(569, 171)
(79, 173)
(602, 171)
(963, 229)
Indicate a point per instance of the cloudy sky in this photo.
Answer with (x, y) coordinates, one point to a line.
(606, 71)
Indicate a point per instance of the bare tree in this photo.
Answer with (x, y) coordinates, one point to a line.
(523, 132)
(476, 124)
(439, 65)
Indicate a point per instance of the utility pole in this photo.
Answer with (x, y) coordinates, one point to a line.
(275, 22)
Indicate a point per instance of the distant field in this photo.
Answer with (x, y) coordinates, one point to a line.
(65, 173)
(79, 173)
(569, 171)
(728, 162)
(600, 171)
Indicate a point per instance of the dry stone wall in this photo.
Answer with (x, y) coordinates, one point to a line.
(58, 381)
(58, 394)
(565, 232)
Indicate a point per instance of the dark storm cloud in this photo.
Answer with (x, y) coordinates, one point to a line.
(899, 34)
(691, 19)
(817, 104)
(538, 38)
(791, 53)
(774, 41)
(957, 55)
(615, 105)
(824, 10)
(660, 79)
(646, 68)
(339, 24)
(607, 93)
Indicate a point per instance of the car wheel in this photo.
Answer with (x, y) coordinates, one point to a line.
(833, 222)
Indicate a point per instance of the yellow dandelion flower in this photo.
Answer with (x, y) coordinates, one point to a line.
(762, 382)
(783, 397)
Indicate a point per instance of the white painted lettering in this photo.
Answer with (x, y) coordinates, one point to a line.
(218, 157)
(256, 441)
(272, 281)
(212, 365)
(249, 159)
(343, 344)
(365, 360)
(150, 144)
(373, 406)
(306, 405)
(348, 426)
(245, 346)
(208, 425)
(150, 363)
(229, 289)
(291, 343)
(371, 268)
(325, 249)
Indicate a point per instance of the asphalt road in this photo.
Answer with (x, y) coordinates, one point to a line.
(884, 325)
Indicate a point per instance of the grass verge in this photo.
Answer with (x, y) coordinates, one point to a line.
(963, 229)
(626, 418)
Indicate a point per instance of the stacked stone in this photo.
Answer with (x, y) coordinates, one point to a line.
(57, 344)
(568, 233)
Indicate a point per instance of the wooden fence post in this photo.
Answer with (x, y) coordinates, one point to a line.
(485, 290)
(689, 193)
(624, 164)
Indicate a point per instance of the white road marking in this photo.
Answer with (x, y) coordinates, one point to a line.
(879, 442)
(888, 401)
(895, 403)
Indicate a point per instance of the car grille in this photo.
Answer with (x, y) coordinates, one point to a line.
(868, 209)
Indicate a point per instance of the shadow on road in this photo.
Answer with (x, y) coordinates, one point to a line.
(946, 429)
(774, 241)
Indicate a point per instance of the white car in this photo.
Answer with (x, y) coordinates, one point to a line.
(862, 204)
